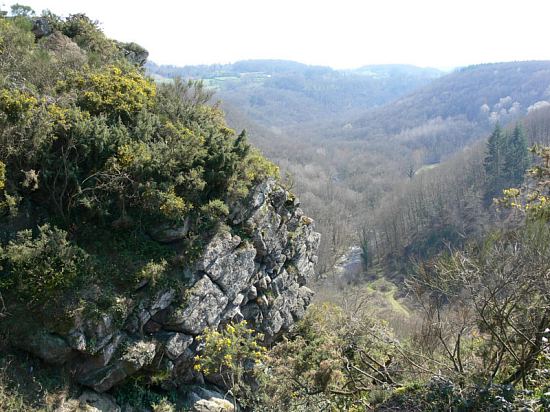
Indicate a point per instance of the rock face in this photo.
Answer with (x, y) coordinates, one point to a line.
(205, 400)
(166, 234)
(258, 276)
(49, 347)
(94, 402)
(41, 27)
(134, 53)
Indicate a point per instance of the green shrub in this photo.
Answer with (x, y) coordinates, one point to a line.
(16, 104)
(331, 361)
(16, 48)
(86, 33)
(215, 209)
(231, 353)
(38, 268)
(94, 145)
(153, 271)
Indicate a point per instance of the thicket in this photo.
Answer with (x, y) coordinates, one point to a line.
(95, 157)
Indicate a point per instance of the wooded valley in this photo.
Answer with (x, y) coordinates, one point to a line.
(268, 235)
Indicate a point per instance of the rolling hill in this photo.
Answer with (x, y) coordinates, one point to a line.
(451, 111)
(349, 167)
(347, 160)
(279, 93)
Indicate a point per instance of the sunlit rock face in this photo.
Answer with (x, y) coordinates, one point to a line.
(258, 276)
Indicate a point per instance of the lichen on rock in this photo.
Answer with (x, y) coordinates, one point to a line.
(258, 276)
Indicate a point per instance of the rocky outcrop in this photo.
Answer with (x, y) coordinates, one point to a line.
(134, 53)
(206, 400)
(63, 49)
(94, 402)
(134, 357)
(70, 52)
(258, 275)
(168, 234)
(41, 27)
(47, 346)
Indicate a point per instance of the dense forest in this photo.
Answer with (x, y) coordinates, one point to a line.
(126, 187)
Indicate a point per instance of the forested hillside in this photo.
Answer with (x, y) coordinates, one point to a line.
(279, 94)
(412, 184)
(349, 170)
(153, 260)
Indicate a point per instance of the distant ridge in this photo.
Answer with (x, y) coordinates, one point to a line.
(282, 93)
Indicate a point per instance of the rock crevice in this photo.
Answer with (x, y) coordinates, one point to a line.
(258, 276)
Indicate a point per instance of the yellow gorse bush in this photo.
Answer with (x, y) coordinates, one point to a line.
(2, 175)
(229, 349)
(129, 154)
(16, 104)
(112, 91)
(173, 206)
(535, 202)
(60, 116)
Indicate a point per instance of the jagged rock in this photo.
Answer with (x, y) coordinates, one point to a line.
(273, 324)
(204, 400)
(134, 53)
(220, 245)
(91, 401)
(152, 327)
(262, 301)
(262, 283)
(229, 263)
(91, 335)
(177, 344)
(136, 356)
(69, 405)
(253, 313)
(107, 352)
(63, 48)
(238, 300)
(204, 307)
(170, 234)
(257, 198)
(213, 405)
(141, 321)
(104, 356)
(48, 347)
(252, 293)
(163, 300)
(260, 279)
(41, 27)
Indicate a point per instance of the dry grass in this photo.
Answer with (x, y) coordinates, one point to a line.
(27, 385)
(375, 296)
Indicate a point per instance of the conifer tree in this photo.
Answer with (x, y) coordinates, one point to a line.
(516, 159)
(506, 162)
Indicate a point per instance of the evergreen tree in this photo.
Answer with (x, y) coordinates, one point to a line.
(516, 159)
(506, 162)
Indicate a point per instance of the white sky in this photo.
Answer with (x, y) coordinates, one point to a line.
(337, 33)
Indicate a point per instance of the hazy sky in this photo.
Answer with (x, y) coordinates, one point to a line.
(337, 33)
